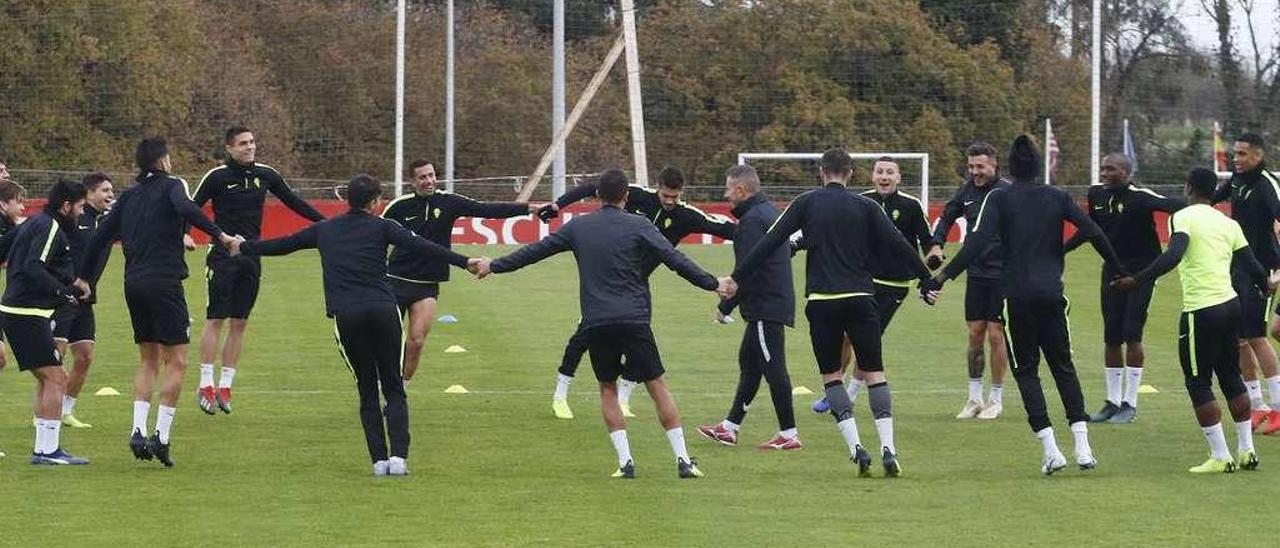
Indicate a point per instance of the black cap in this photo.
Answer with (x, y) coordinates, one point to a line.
(1024, 158)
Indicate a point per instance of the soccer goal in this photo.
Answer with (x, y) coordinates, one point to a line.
(810, 159)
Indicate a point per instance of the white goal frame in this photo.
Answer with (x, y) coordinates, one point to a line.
(923, 157)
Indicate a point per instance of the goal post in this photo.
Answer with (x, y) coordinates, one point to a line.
(922, 157)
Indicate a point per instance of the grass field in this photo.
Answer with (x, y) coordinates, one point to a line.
(495, 468)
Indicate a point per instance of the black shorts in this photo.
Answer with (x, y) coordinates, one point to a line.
(158, 311)
(233, 284)
(407, 292)
(1124, 313)
(1255, 310)
(983, 300)
(830, 321)
(31, 338)
(74, 323)
(624, 348)
(888, 299)
(1207, 347)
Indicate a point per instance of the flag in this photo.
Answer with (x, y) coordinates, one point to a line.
(1219, 150)
(1130, 149)
(1050, 159)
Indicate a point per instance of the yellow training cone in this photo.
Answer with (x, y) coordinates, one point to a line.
(456, 389)
(455, 349)
(801, 391)
(1147, 389)
(107, 391)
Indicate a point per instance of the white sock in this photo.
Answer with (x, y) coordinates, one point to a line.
(975, 389)
(997, 394)
(790, 433)
(206, 375)
(1080, 431)
(562, 386)
(1115, 384)
(849, 429)
(42, 437)
(676, 437)
(855, 386)
(621, 446)
(164, 421)
(140, 411)
(884, 428)
(1273, 390)
(625, 388)
(1132, 379)
(1048, 441)
(68, 405)
(53, 435)
(730, 425)
(1244, 436)
(1255, 394)
(228, 375)
(1217, 441)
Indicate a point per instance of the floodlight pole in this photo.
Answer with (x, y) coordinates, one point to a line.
(557, 97)
(1095, 142)
(399, 162)
(448, 98)
(633, 92)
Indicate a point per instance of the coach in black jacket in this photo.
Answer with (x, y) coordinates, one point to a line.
(768, 304)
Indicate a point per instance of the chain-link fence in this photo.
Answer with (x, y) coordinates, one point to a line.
(81, 82)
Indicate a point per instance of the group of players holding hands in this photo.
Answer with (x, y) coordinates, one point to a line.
(863, 251)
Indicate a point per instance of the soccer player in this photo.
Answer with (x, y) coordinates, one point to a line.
(1028, 218)
(12, 204)
(983, 293)
(353, 251)
(74, 324)
(768, 304)
(1254, 192)
(892, 279)
(150, 219)
(846, 235)
(614, 251)
(238, 190)
(416, 278)
(674, 218)
(1205, 245)
(39, 279)
(1125, 212)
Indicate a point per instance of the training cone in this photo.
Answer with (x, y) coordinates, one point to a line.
(457, 389)
(447, 318)
(455, 349)
(1147, 389)
(107, 391)
(801, 391)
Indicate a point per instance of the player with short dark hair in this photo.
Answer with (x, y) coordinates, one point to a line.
(614, 251)
(150, 219)
(40, 278)
(1028, 217)
(674, 218)
(74, 324)
(415, 278)
(1125, 212)
(1206, 247)
(983, 293)
(353, 250)
(12, 204)
(1254, 192)
(767, 303)
(847, 236)
(238, 189)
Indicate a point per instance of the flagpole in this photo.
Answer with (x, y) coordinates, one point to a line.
(1048, 143)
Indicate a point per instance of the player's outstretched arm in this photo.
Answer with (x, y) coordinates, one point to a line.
(401, 237)
(677, 261)
(555, 243)
(1178, 244)
(787, 224)
(291, 200)
(302, 239)
(192, 213)
(94, 259)
(1091, 231)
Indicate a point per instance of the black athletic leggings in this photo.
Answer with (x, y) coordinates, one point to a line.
(1032, 326)
(573, 352)
(763, 354)
(370, 341)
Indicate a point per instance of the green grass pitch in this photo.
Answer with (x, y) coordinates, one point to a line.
(493, 467)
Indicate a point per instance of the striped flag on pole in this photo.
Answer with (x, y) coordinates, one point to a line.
(1130, 149)
(1219, 150)
(1050, 159)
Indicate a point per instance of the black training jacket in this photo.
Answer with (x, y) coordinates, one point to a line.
(238, 193)
(1255, 204)
(967, 202)
(769, 296)
(431, 216)
(353, 251)
(612, 248)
